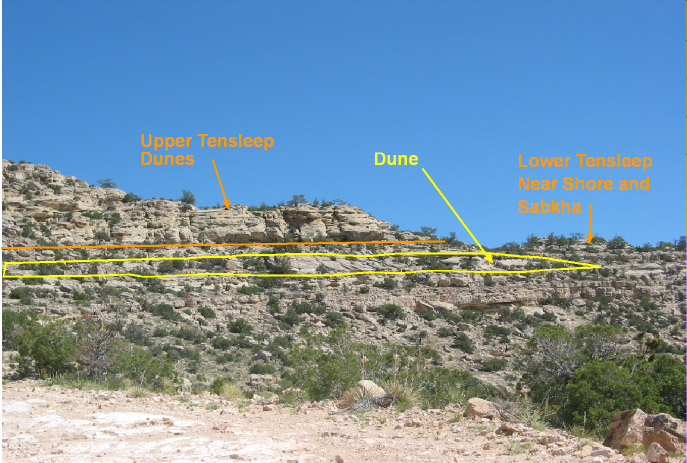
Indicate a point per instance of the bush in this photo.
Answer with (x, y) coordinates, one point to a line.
(390, 312)
(189, 333)
(239, 326)
(327, 367)
(131, 198)
(307, 307)
(221, 343)
(142, 366)
(444, 332)
(101, 236)
(261, 368)
(207, 312)
(248, 290)
(107, 183)
(50, 346)
(164, 311)
(596, 392)
(426, 313)
(494, 364)
(387, 283)
(13, 325)
(187, 197)
(494, 330)
(580, 374)
(290, 318)
(463, 342)
(333, 319)
(169, 266)
(20, 293)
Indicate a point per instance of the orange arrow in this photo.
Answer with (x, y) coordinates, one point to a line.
(226, 201)
(590, 236)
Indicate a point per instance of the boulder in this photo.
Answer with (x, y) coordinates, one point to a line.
(480, 408)
(657, 454)
(372, 389)
(637, 458)
(634, 427)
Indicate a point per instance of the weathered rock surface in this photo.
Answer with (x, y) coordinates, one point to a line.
(635, 427)
(480, 408)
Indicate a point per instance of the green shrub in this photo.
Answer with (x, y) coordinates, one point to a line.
(222, 343)
(303, 307)
(387, 283)
(333, 319)
(142, 366)
(50, 346)
(596, 392)
(20, 293)
(494, 364)
(189, 333)
(207, 312)
(131, 198)
(463, 342)
(249, 290)
(170, 266)
(444, 332)
(101, 236)
(261, 368)
(327, 373)
(239, 326)
(13, 324)
(187, 197)
(494, 330)
(391, 312)
(290, 318)
(164, 311)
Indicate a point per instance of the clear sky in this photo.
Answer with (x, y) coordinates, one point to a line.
(465, 86)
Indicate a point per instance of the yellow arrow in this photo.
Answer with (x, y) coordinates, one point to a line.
(226, 201)
(487, 256)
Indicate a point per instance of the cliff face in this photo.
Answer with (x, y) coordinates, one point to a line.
(75, 212)
(640, 290)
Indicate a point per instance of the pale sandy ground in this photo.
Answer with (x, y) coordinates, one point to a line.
(55, 424)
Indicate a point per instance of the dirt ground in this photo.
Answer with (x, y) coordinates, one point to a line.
(56, 424)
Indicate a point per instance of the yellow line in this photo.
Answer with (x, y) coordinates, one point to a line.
(580, 265)
(486, 254)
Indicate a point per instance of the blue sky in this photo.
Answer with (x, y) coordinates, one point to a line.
(465, 86)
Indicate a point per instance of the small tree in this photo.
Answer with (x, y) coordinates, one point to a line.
(94, 346)
(107, 183)
(618, 242)
(297, 200)
(429, 231)
(187, 197)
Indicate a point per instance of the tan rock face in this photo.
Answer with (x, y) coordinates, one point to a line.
(634, 427)
(77, 211)
(480, 408)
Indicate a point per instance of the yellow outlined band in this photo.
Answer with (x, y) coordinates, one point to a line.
(580, 265)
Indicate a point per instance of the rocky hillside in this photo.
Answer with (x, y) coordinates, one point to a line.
(260, 333)
(71, 211)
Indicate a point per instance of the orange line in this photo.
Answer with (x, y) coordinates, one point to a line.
(117, 246)
(219, 180)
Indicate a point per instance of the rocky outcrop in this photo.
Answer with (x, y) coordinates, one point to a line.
(657, 454)
(75, 212)
(480, 408)
(634, 427)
